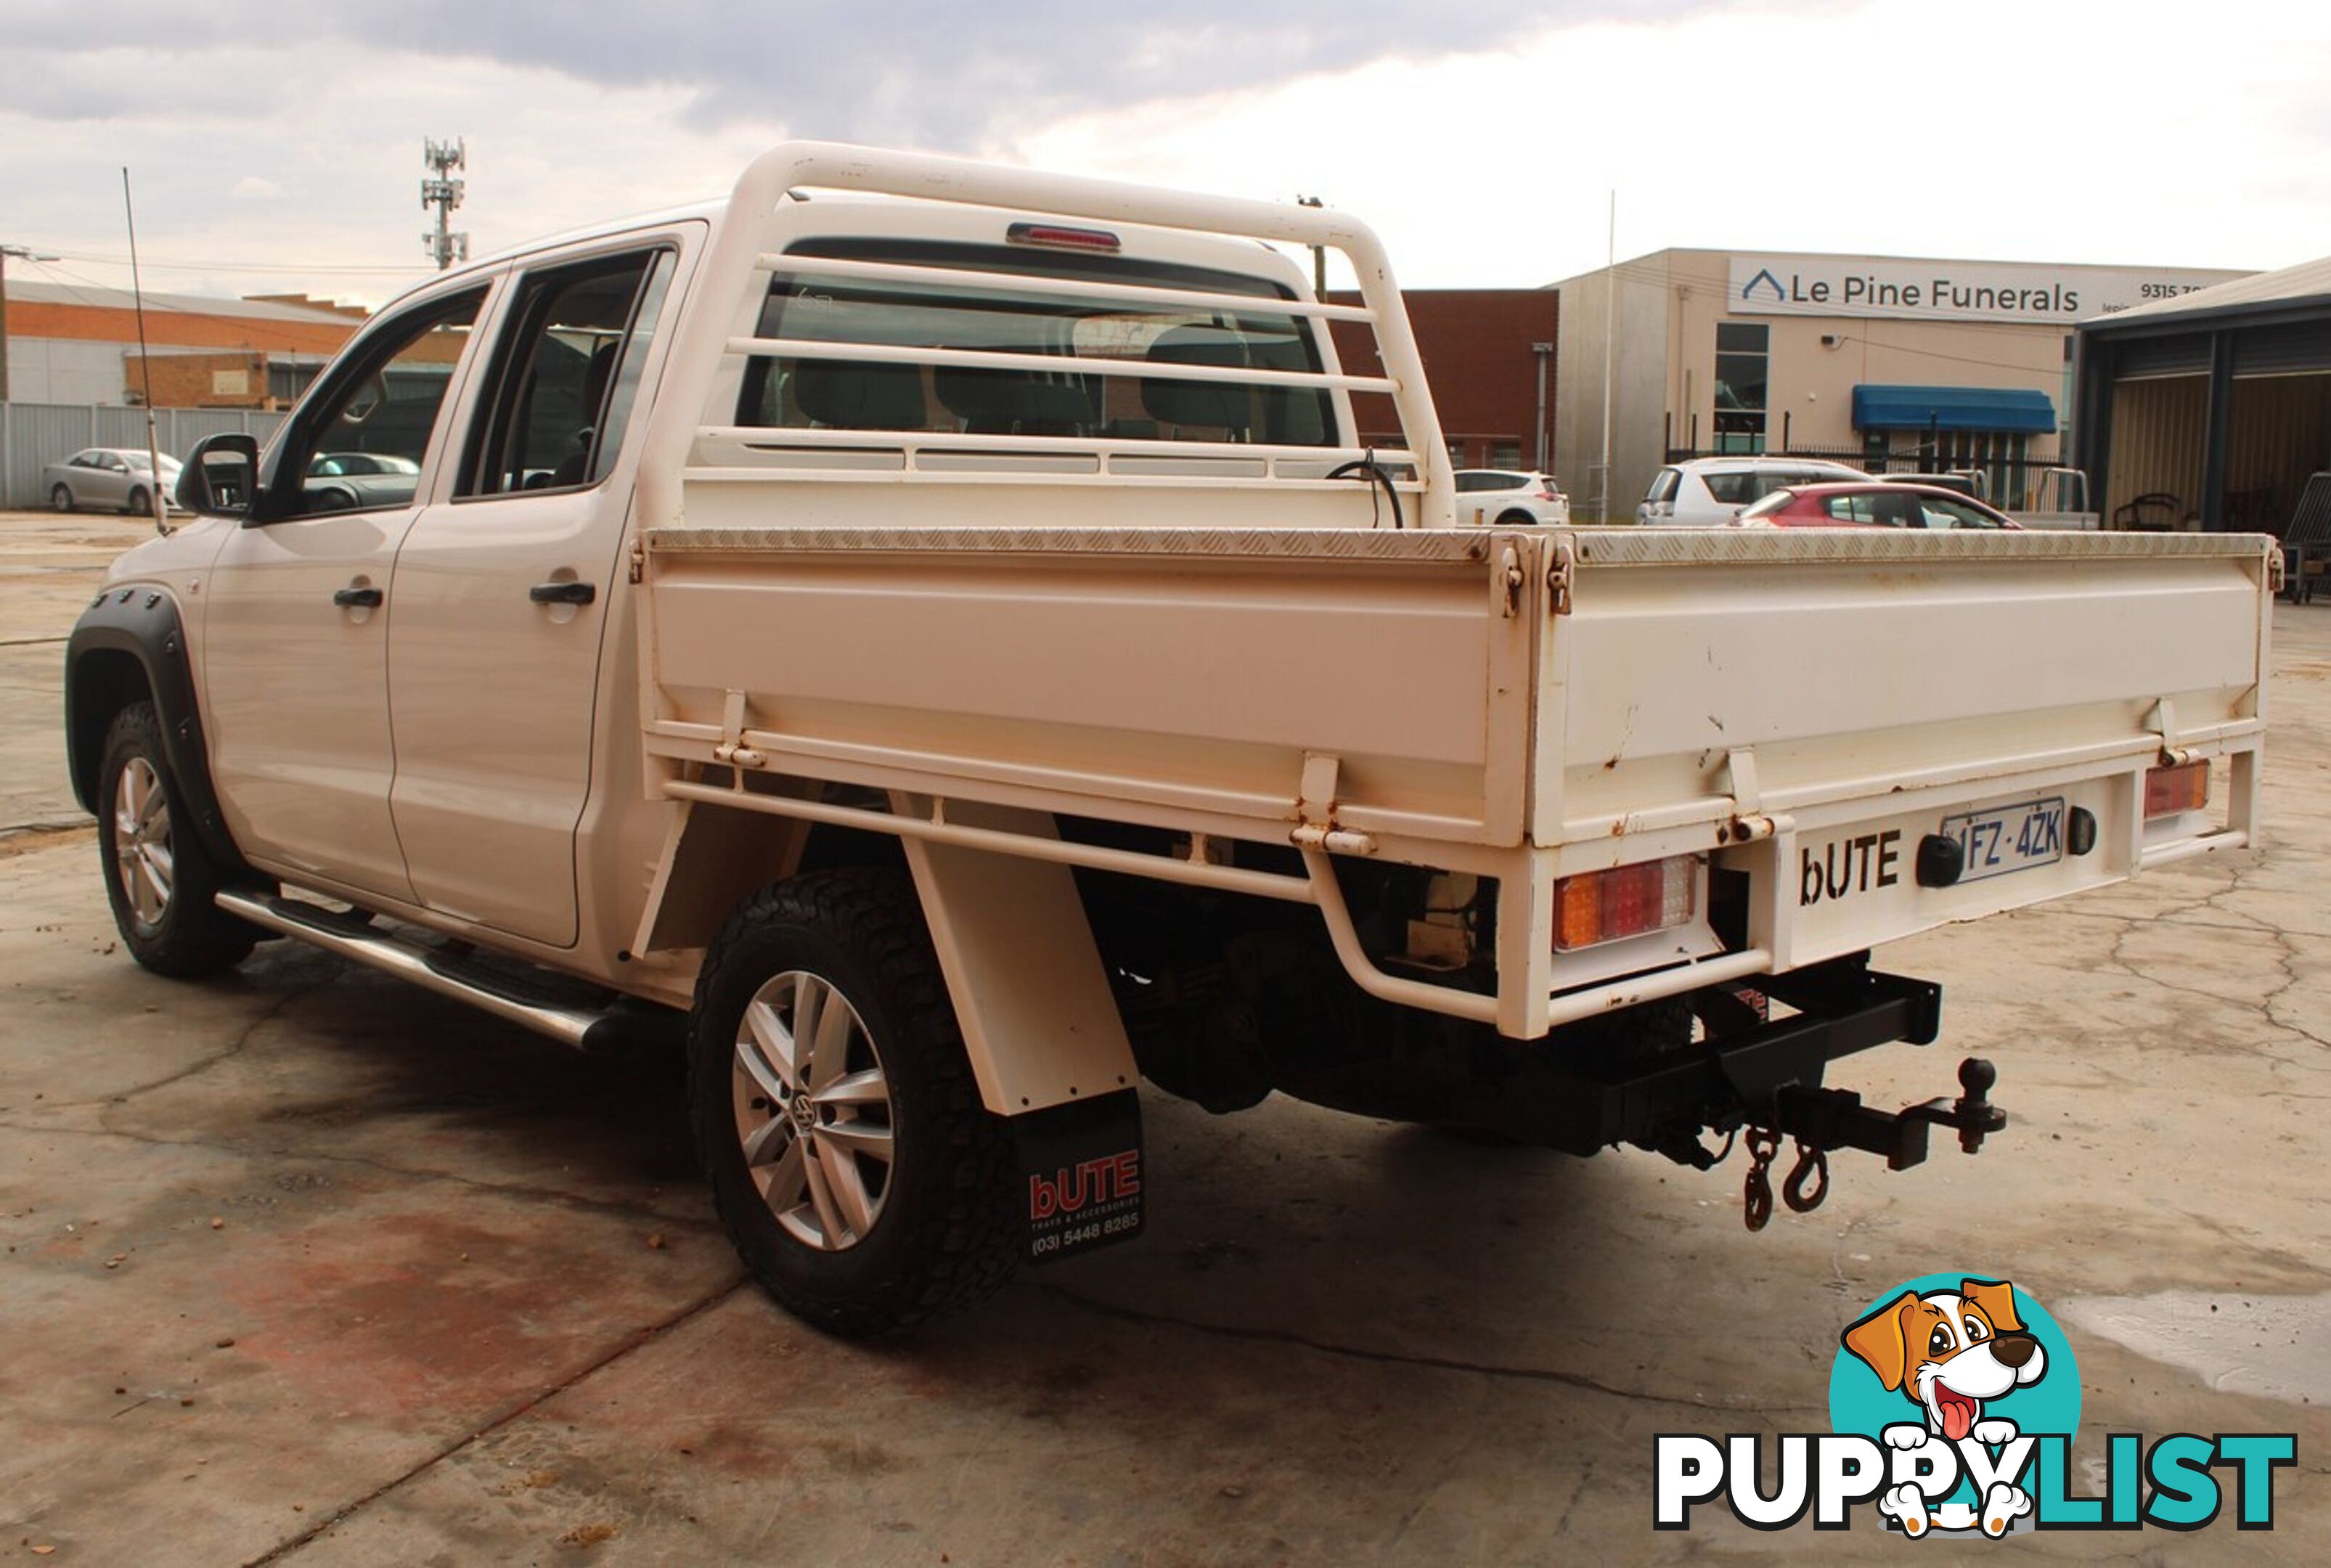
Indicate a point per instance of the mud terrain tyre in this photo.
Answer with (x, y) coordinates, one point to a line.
(835, 1115)
(158, 875)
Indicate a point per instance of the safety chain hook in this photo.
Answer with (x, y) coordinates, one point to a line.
(1763, 1145)
(1812, 1166)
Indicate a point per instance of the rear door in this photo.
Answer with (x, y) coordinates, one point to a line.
(108, 479)
(503, 587)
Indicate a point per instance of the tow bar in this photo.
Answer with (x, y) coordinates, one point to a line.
(1821, 1119)
(1758, 1080)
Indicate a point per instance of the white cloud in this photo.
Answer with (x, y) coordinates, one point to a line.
(1986, 128)
(1983, 128)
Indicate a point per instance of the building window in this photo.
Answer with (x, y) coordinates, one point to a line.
(285, 382)
(1505, 454)
(1743, 351)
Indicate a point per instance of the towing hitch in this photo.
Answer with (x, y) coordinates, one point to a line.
(1759, 1080)
(1751, 1076)
(1822, 1119)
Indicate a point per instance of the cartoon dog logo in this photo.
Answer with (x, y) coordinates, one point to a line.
(1947, 1353)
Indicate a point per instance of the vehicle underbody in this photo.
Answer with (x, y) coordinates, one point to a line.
(1228, 999)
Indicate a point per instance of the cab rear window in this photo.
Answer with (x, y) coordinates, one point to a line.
(807, 391)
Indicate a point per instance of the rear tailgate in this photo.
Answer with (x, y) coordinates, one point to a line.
(1819, 702)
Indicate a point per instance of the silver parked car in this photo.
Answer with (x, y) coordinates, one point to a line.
(339, 482)
(106, 475)
(1708, 492)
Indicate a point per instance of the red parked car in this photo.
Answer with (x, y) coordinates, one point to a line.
(1874, 504)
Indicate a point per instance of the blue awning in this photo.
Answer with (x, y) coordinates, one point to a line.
(1998, 408)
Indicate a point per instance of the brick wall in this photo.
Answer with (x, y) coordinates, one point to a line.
(224, 380)
(176, 326)
(1476, 344)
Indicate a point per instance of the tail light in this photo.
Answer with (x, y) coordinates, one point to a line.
(1628, 901)
(1059, 237)
(2168, 790)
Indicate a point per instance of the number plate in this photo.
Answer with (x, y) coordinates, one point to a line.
(2009, 837)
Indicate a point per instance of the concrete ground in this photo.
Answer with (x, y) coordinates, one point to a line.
(306, 1267)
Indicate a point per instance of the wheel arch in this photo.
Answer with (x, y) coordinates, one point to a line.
(715, 857)
(129, 647)
(1024, 975)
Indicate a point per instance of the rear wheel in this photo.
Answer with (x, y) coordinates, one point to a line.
(1516, 520)
(60, 500)
(863, 1183)
(160, 880)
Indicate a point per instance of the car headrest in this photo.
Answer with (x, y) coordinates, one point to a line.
(1220, 404)
(846, 395)
(1018, 401)
(594, 378)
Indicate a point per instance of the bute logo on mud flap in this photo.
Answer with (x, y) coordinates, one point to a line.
(1080, 1163)
(1097, 1182)
(1955, 1402)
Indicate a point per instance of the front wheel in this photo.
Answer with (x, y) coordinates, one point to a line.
(835, 1115)
(160, 880)
(141, 503)
(60, 500)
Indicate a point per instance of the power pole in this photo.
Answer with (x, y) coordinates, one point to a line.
(22, 254)
(1610, 346)
(1319, 252)
(442, 191)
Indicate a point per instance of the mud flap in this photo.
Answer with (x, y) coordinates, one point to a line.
(1080, 1163)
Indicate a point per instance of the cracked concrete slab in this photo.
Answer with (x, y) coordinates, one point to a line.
(454, 1342)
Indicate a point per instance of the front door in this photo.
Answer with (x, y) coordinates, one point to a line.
(503, 596)
(297, 609)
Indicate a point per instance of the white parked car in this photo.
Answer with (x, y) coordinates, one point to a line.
(106, 475)
(1502, 497)
(1708, 492)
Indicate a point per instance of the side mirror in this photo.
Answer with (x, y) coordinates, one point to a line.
(220, 477)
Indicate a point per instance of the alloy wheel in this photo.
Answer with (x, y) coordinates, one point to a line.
(813, 1111)
(141, 840)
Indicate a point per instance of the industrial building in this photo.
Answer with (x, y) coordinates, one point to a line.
(1895, 363)
(77, 344)
(2210, 410)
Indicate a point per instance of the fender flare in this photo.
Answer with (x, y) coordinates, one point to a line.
(142, 621)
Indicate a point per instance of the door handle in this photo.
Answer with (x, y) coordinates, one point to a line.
(563, 593)
(358, 598)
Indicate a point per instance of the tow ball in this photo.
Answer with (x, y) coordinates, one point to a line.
(1822, 1119)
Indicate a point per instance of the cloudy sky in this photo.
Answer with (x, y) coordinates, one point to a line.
(277, 148)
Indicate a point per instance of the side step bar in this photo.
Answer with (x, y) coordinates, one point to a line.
(585, 1029)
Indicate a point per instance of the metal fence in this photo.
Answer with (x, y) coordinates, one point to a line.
(2007, 481)
(34, 434)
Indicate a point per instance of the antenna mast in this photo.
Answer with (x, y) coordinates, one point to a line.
(442, 191)
(154, 497)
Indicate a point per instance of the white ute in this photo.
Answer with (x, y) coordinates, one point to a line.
(925, 640)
